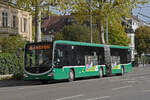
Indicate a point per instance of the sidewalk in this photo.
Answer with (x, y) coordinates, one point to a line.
(11, 83)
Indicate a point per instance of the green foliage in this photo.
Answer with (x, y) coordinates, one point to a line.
(101, 9)
(142, 40)
(35, 7)
(11, 57)
(77, 32)
(11, 44)
(59, 36)
(117, 35)
(11, 64)
(33, 32)
(30, 5)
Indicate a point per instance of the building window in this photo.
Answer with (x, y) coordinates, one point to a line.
(24, 25)
(4, 19)
(14, 21)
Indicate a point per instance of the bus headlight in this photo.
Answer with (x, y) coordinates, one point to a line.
(25, 75)
(50, 74)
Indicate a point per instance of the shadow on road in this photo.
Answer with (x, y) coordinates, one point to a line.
(15, 83)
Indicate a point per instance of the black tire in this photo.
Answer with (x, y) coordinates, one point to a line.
(122, 70)
(44, 82)
(101, 74)
(71, 75)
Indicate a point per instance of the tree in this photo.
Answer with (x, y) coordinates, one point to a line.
(35, 7)
(142, 39)
(117, 35)
(12, 43)
(114, 10)
(77, 32)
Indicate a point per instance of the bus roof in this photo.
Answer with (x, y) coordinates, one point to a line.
(121, 47)
(88, 44)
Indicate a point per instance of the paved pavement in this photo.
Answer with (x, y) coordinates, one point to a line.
(12, 83)
(131, 86)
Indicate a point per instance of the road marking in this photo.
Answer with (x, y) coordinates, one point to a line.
(131, 81)
(118, 88)
(22, 88)
(146, 91)
(70, 97)
(141, 77)
(98, 98)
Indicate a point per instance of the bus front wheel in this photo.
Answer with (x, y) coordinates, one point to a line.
(100, 73)
(71, 76)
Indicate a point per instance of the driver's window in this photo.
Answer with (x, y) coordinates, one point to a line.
(60, 53)
(58, 57)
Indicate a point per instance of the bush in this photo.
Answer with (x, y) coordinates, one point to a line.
(18, 76)
(11, 58)
(11, 64)
(11, 44)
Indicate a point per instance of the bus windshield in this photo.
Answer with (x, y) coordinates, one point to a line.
(38, 55)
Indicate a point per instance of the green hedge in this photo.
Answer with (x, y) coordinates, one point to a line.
(10, 63)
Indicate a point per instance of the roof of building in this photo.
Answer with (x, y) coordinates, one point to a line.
(54, 22)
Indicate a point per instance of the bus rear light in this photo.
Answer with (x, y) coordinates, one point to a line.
(51, 74)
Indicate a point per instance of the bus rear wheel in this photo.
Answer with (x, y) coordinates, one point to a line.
(71, 75)
(101, 73)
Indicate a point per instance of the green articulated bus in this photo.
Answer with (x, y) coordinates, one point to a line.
(61, 59)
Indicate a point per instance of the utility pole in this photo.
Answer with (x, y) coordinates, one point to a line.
(107, 29)
(91, 33)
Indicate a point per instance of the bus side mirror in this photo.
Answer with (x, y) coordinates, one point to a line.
(58, 60)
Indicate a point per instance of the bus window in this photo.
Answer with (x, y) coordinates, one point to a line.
(91, 57)
(62, 55)
(38, 57)
(128, 56)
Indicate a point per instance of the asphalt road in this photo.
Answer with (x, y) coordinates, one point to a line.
(131, 86)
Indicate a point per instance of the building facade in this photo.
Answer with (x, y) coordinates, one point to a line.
(54, 24)
(132, 24)
(15, 22)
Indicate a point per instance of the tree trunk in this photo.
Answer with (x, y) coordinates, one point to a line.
(37, 22)
(102, 34)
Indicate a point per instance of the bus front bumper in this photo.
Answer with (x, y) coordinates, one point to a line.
(28, 77)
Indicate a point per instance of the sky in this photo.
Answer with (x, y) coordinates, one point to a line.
(144, 10)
